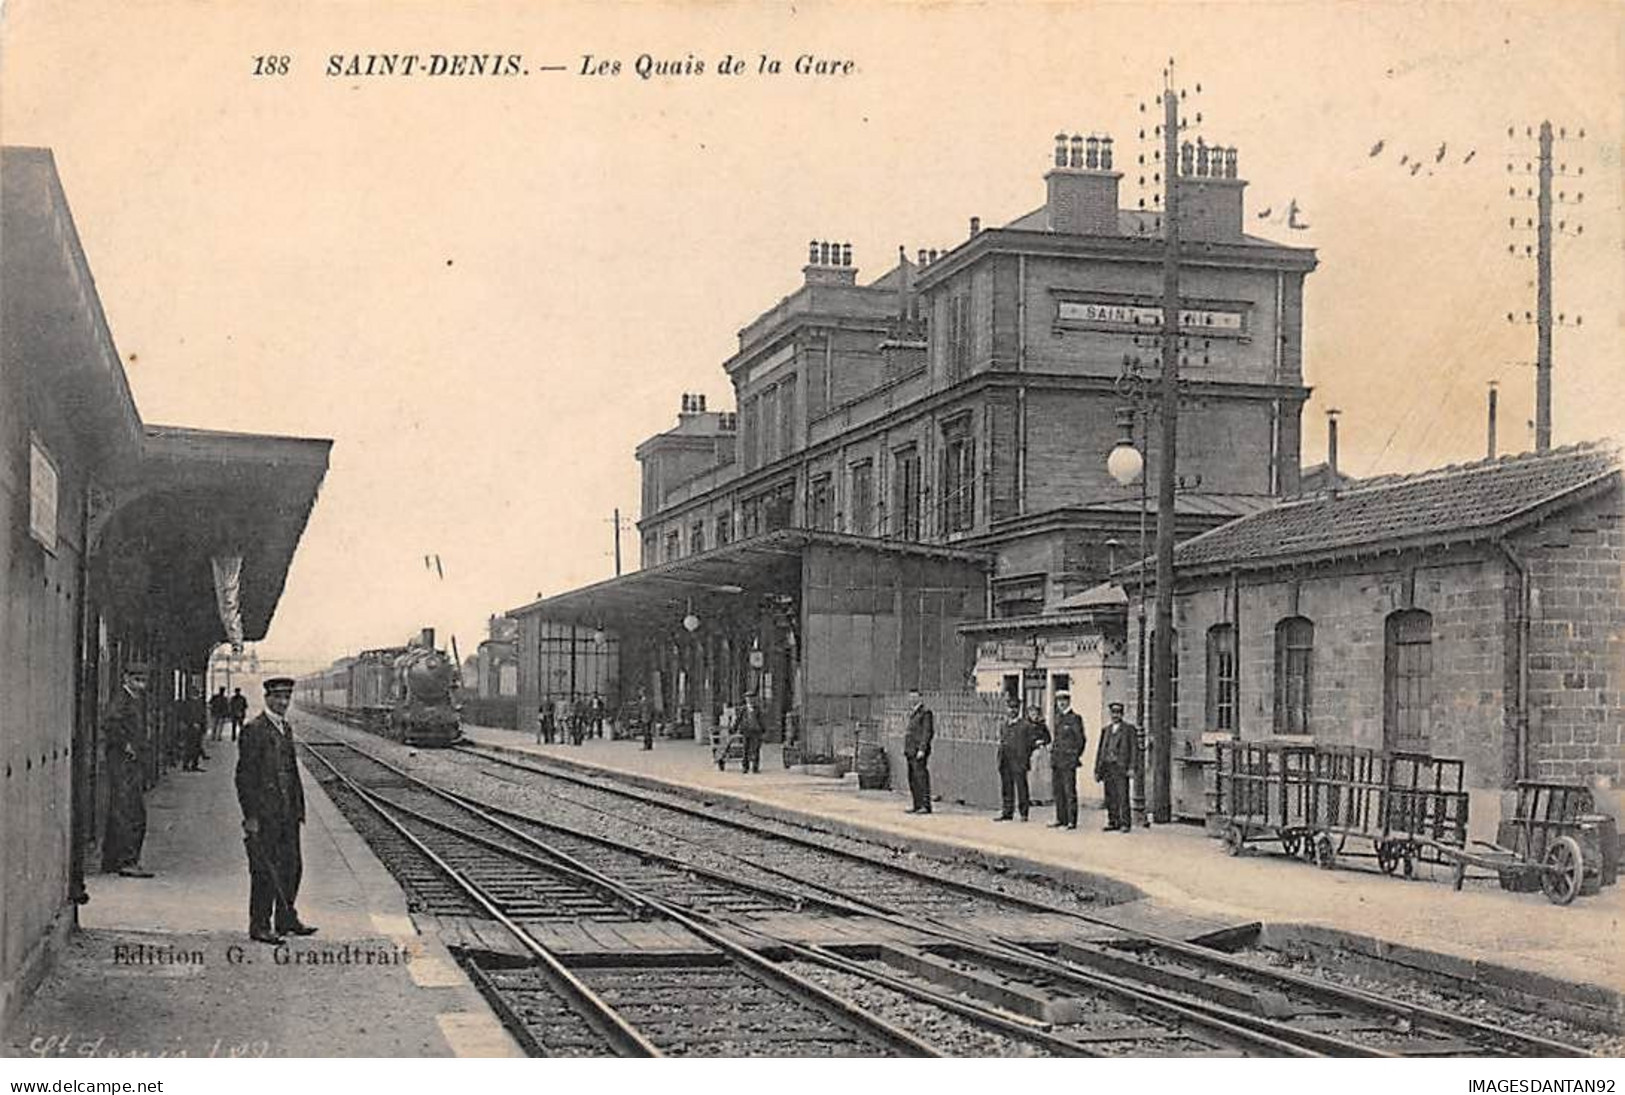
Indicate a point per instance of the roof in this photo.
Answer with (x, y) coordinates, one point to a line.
(768, 563)
(1456, 504)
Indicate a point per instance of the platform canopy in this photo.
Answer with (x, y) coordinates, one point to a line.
(765, 564)
(194, 495)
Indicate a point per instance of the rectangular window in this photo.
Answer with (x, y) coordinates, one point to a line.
(752, 431)
(787, 415)
(674, 545)
(906, 494)
(958, 477)
(724, 528)
(1023, 596)
(821, 503)
(1221, 677)
(959, 338)
(861, 505)
(696, 538)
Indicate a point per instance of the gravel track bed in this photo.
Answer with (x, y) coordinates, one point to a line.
(546, 1017)
(953, 1034)
(1598, 1043)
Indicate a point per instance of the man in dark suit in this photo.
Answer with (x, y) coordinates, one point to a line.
(238, 707)
(750, 730)
(273, 803)
(1112, 762)
(1064, 755)
(1018, 737)
(124, 729)
(917, 752)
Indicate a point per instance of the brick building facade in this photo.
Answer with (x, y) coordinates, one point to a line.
(1473, 612)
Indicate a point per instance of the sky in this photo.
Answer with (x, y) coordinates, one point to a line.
(487, 290)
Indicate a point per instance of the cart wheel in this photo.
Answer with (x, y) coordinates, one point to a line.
(1325, 855)
(1458, 875)
(1290, 844)
(1387, 857)
(1234, 841)
(1564, 870)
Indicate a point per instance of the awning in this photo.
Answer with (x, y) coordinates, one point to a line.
(769, 563)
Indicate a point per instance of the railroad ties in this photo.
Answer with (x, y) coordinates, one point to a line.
(603, 918)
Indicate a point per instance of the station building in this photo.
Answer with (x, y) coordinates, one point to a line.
(1474, 612)
(929, 449)
(113, 530)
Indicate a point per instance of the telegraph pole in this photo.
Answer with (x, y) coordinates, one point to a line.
(1543, 296)
(617, 520)
(1162, 651)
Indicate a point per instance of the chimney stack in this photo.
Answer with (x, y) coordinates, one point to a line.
(1082, 186)
(1210, 194)
(1491, 439)
(1333, 479)
(829, 263)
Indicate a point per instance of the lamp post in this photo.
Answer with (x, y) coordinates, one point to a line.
(1126, 463)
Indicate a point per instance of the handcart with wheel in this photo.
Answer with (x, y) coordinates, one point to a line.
(1553, 842)
(1261, 794)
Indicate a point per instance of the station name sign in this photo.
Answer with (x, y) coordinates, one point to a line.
(1099, 316)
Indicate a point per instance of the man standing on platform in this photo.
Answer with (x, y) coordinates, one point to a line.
(1064, 755)
(125, 730)
(273, 805)
(750, 732)
(219, 712)
(1018, 737)
(193, 717)
(1112, 760)
(917, 752)
(238, 708)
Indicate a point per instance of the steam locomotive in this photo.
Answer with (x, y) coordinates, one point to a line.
(405, 693)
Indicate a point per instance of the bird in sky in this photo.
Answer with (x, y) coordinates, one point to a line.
(1469, 158)
(1264, 214)
(1292, 220)
(1405, 159)
(1415, 167)
(1376, 149)
(1438, 157)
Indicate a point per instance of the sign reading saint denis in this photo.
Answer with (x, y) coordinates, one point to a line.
(1093, 314)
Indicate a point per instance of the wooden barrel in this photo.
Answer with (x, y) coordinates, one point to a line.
(874, 768)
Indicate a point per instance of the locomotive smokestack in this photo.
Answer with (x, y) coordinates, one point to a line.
(426, 637)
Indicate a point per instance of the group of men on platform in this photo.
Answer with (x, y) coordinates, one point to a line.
(1020, 735)
(268, 791)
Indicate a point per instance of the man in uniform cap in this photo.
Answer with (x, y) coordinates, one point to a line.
(1112, 759)
(1018, 737)
(1065, 752)
(917, 752)
(273, 805)
(124, 728)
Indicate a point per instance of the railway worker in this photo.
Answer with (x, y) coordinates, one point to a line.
(273, 803)
(193, 717)
(749, 728)
(597, 709)
(646, 720)
(219, 712)
(1018, 737)
(124, 728)
(1065, 752)
(238, 709)
(578, 720)
(1112, 760)
(917, 751)
(544, 723)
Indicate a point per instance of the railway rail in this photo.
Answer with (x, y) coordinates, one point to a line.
(1145, 994)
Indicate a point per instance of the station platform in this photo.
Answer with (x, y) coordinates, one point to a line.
(1482, 934)
(164, 966)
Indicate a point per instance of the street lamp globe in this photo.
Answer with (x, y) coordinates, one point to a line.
(1125, 464)
(691, 623)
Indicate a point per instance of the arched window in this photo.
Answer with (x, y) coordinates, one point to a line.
(1294, 674)
(1221, 677)
(1407, 679)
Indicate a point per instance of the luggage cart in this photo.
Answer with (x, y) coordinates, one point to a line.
(1552, 843)
(1261, 794)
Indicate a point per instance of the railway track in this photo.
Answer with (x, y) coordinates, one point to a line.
(1298, 1010)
